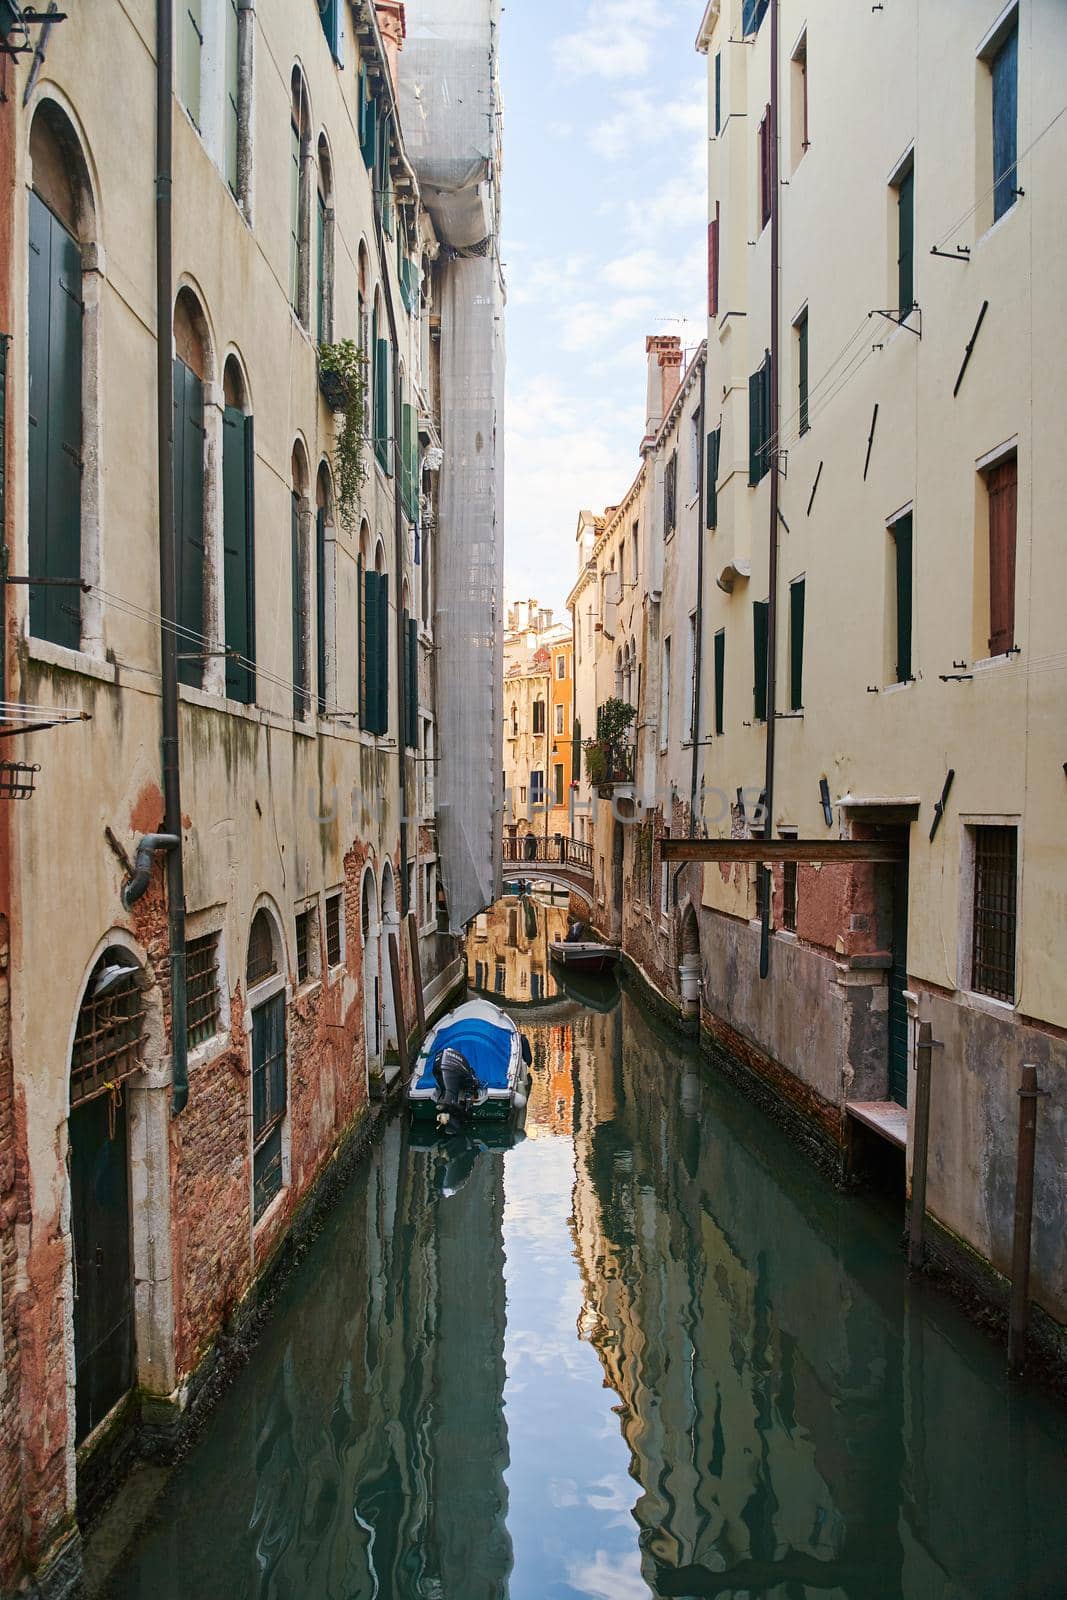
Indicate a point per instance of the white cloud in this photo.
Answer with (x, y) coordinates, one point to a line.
(615, 41)
(640, 121)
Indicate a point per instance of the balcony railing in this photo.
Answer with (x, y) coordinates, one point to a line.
(557, 850)
(609, 765)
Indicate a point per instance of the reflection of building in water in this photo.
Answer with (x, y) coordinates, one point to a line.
(550, 1112)
(788, 1416)
(507, 950)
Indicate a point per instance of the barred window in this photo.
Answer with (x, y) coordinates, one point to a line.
(202, 988)
(333, 929)
(789, 896)
(262, 962)
(107, 1035)
(995, 911)
(306, 940)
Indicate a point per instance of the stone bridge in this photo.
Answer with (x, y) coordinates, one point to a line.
(558, 860)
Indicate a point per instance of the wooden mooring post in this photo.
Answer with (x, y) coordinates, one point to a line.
(920, 1153)
(398, 1006)
(416, 970)
(1019, 1309)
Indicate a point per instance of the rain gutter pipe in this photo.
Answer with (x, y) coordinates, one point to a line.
(142, 864)
(772, 562)
(168, 575)
(698, 646)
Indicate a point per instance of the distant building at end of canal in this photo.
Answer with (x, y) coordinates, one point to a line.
(250, 795)
(831, 597)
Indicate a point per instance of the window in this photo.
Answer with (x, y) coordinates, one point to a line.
(720, 681)
(202, 989)
(752, 15)
(763, 892)
(307, 930)
(759, 422)
(538, 716)
(238, 538)
(695, 453)
(190, 25)
(691, 679)
(367, 120)
(331, 15)
(561, 666)
(713, 264)
(994, 910)
(334, 945)
(665, 695)
(191, 370)
(107, 1034)
(796, 645)
(232, 118)
(262, 956)
(383, 381)
(712, 478)
(798, 88)
(522, 794)
(905, 193)
(760, 621)
(298, 584)
(718, 92)
(766, 176)
(374, 648)
(558, 783)
(633, 553)
(299, 222)
(268, 1101)
(324, 246)
(1001, 484)
(801, 329)
(900, 598)
(664, 888)
(411, 675)
(670, 494)
(499, 977)
(325, 588)
(537, 787)
(560, 713)
(1004, 67)
(789, 896)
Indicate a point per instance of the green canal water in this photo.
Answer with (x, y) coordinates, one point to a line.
(644, 1351)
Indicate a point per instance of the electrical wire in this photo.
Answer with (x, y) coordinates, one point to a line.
(967, 215)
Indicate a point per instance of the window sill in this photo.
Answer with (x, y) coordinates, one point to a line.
(308, 989)
(898, 686)
(90, 666)
(207, 1051)
(994, 227)
(986, 1003)
(272, 1212)
(996, 663)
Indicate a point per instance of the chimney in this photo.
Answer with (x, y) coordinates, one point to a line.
(393, 26)
(664, 351)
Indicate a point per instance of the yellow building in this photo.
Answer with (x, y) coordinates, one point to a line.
(538, 722)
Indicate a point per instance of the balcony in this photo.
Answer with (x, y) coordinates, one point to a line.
(611, 767)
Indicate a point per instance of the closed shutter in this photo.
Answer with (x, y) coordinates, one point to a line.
(902, 538)
(760, 618)
(190, 49)
(189, 519)
(906, 243)
(320, 606)
(718, 93)
(361, 637)
(765, 421)
(238, 457)
(55, 400)
(755, 423)
(712, 475)
(720, 680)
(766, 194)
(713, 264)
(1003, 495)
(230, 113)
(332, 14)
(372, 651)
(796, 645)
(299, 625)
(294, 215)
(411, 682)
(381, 403)
(320, 268)
(1005, 122)
(383, 661)
(802, 371)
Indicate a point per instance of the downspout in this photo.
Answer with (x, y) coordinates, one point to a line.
(698, 649)
(772, 562)
(168, 566)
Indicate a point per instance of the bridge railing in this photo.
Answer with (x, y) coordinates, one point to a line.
(556, 851)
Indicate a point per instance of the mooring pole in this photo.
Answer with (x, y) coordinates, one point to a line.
(1019, 1313)
(924, 1051)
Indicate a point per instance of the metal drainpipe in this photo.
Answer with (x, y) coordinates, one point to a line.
(168, 582)
(698, 650)
(772, 605)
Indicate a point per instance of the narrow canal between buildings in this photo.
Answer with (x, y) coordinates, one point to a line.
(645, 1350)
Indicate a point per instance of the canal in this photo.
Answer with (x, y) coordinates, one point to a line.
(644, 1351)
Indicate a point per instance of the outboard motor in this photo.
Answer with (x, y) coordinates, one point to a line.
(575, 933)
(457, 1090)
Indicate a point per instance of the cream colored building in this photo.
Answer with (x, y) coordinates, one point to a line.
(536, 740)
(307, 704)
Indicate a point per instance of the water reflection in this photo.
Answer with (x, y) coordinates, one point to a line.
(507, 952)
(712, 1377)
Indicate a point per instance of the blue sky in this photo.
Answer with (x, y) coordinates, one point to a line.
(604, 242)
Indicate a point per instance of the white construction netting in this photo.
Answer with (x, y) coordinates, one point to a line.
(450, 111)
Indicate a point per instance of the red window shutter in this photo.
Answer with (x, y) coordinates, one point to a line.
(1002, 486)
(713, 264)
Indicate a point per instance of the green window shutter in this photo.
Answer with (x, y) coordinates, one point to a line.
(382, 718)
(372, 651)
(906, 241)
(382, 364)
(190, 49)
(902, 535)
(413, 668)
(720, 680)
(320, 606)
(238, 555)
(229, 109)
(755, 416)
(796, 645)
(55, 401)
(189, 518)
(408, 448)
(320, 268)
(361, 634)
(299, 623)
(1005, 70)
(765, 396)
(331, 15)
(712, 478)
(760, 619)
(802, 371)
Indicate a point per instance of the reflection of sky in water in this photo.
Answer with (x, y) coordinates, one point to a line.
(575, 1533)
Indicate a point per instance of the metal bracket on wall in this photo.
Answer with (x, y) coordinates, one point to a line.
(870, 441)
(939, 806)
(970, 347)
(962, 253)
(815, 485)
(900, 318)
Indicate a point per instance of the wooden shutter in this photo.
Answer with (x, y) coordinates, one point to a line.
(238, 556)
(755, 427)
(1002, 483)
(906, 243)
(55, 417)
(760, 619)
(902, 538)
(802, 371)
(713, 264)
(372, 651)
(381, 404)
(765, 417)
(712, 478)
(718, 92)
(320, 605)
(189, 518)
(361, 644)
(294, 215)
(765, 167)
(320, 268)
(720, 680)
(796, 645)
(300, 699)
(383, 658)
(411, 682)
(1005, 122)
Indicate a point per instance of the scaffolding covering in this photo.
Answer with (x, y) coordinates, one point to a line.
(450, 113)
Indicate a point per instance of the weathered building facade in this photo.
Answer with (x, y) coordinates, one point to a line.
(538, 726)
(872, 557)
(211, 959)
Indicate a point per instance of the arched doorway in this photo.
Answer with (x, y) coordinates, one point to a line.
(106, 1052)
(689, 961)
(390, 930)
(372, 974)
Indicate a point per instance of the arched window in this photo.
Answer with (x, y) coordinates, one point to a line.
(192, 370)
(265, 976)
(107, 1035)
(620, 683)
(238, 536)
(64, 489)
(325, 588)
(263, 952)
(383, 387)
(299, 197)
(372, 975)
(374, 645)
(299, 581)
(324, 246)
(363, 307)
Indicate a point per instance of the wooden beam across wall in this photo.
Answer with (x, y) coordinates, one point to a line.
(767, 850)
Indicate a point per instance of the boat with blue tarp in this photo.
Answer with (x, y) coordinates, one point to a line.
(473, 1066)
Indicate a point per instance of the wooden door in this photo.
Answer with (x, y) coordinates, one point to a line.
(100, 1222)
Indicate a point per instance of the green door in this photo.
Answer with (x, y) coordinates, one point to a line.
(100, 1223)
(898, 982)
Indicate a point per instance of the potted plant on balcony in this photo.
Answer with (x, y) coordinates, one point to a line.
(342, 381)
(606, 755)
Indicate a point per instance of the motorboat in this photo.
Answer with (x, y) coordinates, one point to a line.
(579, 954)
(474, 1066)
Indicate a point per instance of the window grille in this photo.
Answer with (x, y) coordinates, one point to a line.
(305, 942)
(333, 930)
(261, 959)
(107, 1036)
(995, 912)
(202, 988)
(789, 896)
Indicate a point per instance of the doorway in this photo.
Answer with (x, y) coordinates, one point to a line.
(898, 983)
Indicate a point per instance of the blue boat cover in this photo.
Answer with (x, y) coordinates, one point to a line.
(486, 1046)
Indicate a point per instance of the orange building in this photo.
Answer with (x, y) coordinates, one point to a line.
(561, 714)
